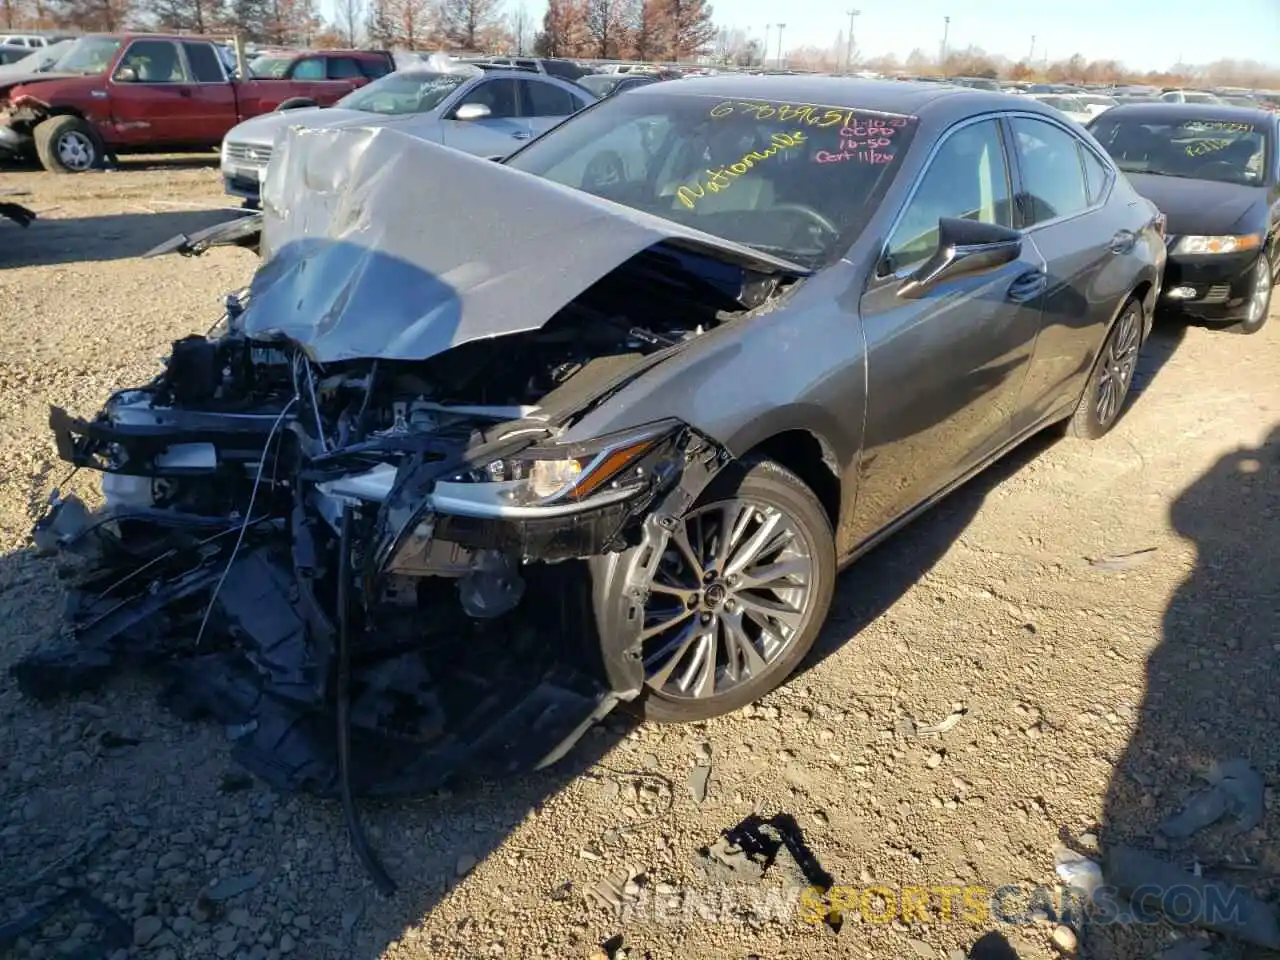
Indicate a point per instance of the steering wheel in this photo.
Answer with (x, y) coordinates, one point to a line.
(811, 213)
(605, 169)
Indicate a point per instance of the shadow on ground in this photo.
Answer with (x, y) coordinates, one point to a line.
(1211, 690)
(174, 782)
(51, 240)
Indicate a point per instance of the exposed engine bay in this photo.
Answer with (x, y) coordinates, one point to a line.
(349, 524)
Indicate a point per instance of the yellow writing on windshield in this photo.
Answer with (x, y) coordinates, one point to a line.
(722, 178)
(1201, 147)
(806, 113)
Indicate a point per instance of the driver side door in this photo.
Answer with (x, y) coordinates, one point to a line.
(156, 107)
(501, 132)
(944, 369)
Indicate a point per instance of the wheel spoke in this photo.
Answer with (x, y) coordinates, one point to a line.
(757, 578)
(734, 518)
(744, 660)
(673, 653)
(670, 590)
(665, 625)
(699, 678)
(759, 607)
(680, 538)
(754, 546)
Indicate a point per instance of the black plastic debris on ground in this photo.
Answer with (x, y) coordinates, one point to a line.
(422, 707)
(748, 850)
(117, 934)
(16, 212)
(1235, 789)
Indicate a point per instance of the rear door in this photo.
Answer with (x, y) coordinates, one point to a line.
(1063, 209)
(213, 99)
(944, 370)
(495, 135)
(546, 103)
(157, 107)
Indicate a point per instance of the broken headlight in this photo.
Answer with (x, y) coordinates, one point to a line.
(561, 475)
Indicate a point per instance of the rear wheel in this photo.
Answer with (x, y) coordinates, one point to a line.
(1104, 396)
(1259, 307)
(67, 144)
(736, 595)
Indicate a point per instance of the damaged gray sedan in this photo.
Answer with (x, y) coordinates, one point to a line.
(487, 449)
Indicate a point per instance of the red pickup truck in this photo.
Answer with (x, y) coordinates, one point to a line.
(123, 93)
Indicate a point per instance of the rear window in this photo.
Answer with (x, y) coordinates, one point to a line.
(204, 64)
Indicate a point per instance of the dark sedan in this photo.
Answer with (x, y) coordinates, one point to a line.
(611, 433)
(609, 84)
(1214, 171)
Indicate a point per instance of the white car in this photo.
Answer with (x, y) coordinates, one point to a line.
(22, 40)
(1095, 103)
(1072, 106)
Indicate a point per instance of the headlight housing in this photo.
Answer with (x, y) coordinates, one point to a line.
(562, 476)
(1228, 243)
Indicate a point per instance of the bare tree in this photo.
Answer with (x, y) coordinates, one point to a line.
(606, 27)
(350, 20)
(470, 24)
(520, 26)
(413, 23)
(564, 29)
(197, 16)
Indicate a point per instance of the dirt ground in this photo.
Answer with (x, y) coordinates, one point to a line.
(1092, 697)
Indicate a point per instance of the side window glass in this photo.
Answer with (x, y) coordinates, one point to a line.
(498, 95)
(1053, 179)
(155, 61)
(1095, 174)
(374, 68)
(204, 62)
(344, 68)
(311, 68)
(967, 179)
(546, 100)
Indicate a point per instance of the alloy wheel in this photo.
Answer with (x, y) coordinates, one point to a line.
(1116, 367)
(730, 592)
(1260, 298)
(75, 151)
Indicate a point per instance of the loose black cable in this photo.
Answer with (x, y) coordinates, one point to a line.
(381, 879)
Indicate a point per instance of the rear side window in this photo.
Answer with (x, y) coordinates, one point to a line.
(312, 68)
(374, 68)
(1052, 176)
(344, 68)
(1096, 175)
(546, 100)
(204, 64)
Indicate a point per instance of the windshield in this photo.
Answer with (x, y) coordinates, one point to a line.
(270, 68)
(418, 91)
(89, 55)
(600, 84)
(795, 180)
(1228, 151)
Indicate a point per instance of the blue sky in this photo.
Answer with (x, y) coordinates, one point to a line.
(1145, 34)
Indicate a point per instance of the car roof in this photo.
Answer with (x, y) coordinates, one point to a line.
(907, 97)
(1190, 111)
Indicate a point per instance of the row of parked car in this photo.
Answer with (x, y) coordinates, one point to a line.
(791, 314)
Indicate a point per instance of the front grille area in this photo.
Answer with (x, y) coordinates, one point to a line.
(248, 154)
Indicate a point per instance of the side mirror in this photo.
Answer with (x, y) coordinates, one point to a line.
(965, 248)
(472, 111)
(126, 75)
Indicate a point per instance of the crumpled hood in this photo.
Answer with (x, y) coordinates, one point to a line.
(33, 78)
(263, 129)
(378, 244)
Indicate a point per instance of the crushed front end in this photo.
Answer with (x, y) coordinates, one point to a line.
(260, 508)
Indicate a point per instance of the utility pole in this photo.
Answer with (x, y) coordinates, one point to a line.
(1031, 56)
(848, 57)
(946, 29)
(781, 27)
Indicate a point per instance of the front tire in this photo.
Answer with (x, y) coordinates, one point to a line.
(737, 594)
(67, 144)
(1108, 388)
(1259, 298)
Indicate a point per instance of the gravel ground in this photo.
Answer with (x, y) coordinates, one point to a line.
(1092, 697)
